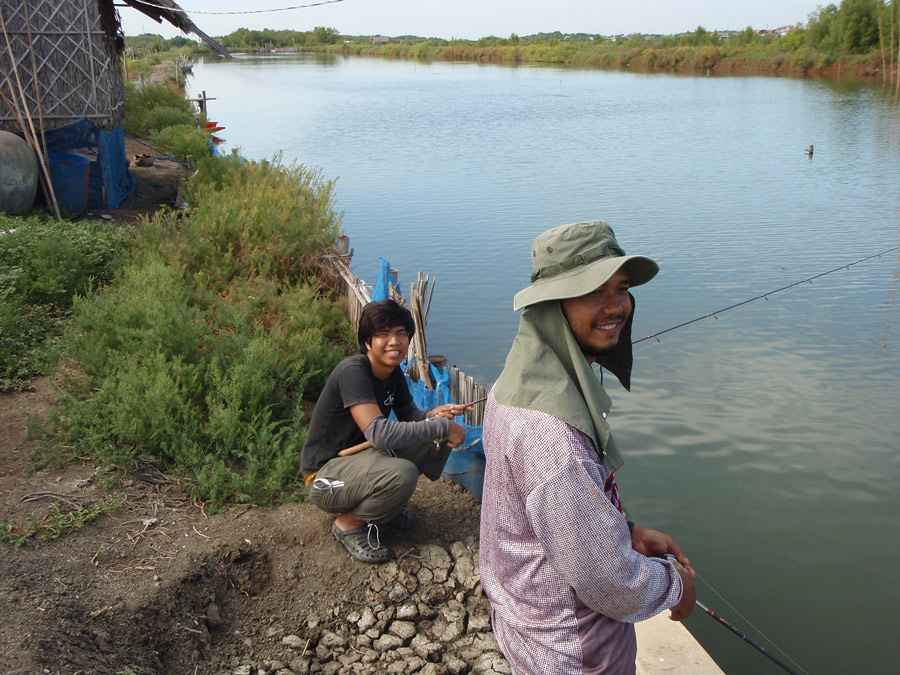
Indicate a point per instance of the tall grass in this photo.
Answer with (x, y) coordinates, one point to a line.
(199, 353)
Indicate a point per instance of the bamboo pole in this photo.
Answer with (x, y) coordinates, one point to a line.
(430, 295)
(418, 345)
(13, 104)
(46, 182)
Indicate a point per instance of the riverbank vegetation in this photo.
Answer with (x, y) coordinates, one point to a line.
(167, 120)
(856, 38)
(199, 352)
(44, 264)
(189, 341)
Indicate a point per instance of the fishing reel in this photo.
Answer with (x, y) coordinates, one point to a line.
(672, 559)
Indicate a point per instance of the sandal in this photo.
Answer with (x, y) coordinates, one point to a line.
(402, 521)
(359, 542)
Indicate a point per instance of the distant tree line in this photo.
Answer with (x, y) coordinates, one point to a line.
(244, 38)
(835, 31)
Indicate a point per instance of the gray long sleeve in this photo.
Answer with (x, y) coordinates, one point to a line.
(387, 435)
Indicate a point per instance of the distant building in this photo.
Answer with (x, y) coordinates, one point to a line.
(380, 40)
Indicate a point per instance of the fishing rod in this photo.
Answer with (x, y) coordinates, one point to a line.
(763, 296)
(746, 639)
(706, 610)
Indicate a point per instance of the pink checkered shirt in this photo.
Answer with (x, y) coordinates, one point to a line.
(555, 552)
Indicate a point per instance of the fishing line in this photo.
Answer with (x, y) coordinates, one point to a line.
(745, 620)
(763, 296)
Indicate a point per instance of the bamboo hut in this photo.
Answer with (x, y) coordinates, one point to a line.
(62, 81)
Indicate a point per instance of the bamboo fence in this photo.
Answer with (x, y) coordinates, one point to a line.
(61, 56)
(463, 388)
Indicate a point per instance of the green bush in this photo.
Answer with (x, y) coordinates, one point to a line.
(199, 353)
(155, 108)
(169, 116)
(274, 219)
(44, 265)
(182, 140)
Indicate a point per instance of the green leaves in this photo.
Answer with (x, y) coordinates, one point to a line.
(44, 265)
(199, 352)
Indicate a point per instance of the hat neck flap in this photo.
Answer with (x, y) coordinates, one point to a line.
(546, 371)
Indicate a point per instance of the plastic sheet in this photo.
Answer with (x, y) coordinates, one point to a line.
(465, 465)
(109, 180)
(382, 290)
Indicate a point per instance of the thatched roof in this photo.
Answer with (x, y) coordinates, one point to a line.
(60, 59)
(171, 12)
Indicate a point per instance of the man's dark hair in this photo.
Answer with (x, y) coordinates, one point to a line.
(382, 315)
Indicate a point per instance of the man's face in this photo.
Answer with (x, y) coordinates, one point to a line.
(388, 347)
(597, 319)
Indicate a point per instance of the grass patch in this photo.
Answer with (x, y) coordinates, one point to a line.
(54, 524)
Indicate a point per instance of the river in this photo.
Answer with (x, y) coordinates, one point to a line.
(765, 440)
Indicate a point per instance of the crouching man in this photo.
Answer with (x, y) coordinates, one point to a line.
(370, 488)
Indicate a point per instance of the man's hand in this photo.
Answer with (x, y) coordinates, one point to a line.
(448, 410)
(456, 436)
(652, 543)
(688, 596)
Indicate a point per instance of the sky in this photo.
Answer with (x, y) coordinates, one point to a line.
(472, 19)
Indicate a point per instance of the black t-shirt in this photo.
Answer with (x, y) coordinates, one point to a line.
(332, 427)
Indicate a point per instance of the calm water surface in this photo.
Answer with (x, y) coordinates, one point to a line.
(765, 441)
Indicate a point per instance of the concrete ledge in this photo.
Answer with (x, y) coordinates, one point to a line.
(666, 646)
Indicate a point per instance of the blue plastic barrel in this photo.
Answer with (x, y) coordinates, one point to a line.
(69, 174)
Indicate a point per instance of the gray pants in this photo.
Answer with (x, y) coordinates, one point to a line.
(374, 485)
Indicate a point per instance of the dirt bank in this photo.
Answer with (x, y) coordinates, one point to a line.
(158, 586)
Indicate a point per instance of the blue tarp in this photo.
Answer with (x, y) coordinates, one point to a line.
(109, 180)
(382, 289)
(465, 465)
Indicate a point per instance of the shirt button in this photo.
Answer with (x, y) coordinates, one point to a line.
(603, 414)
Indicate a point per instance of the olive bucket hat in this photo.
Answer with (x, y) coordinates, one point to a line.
(572, 260)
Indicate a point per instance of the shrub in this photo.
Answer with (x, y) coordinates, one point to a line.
(182, 140)
(142, 110)
(168, 116)
(200, 351)
(274, 219)
(44, 265)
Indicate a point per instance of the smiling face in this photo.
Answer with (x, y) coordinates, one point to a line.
(387, 349)
(597, 319)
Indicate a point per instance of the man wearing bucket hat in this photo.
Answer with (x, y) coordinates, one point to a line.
(566, 573)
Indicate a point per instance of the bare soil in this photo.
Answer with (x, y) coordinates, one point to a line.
(133, 591)
(158, 585)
